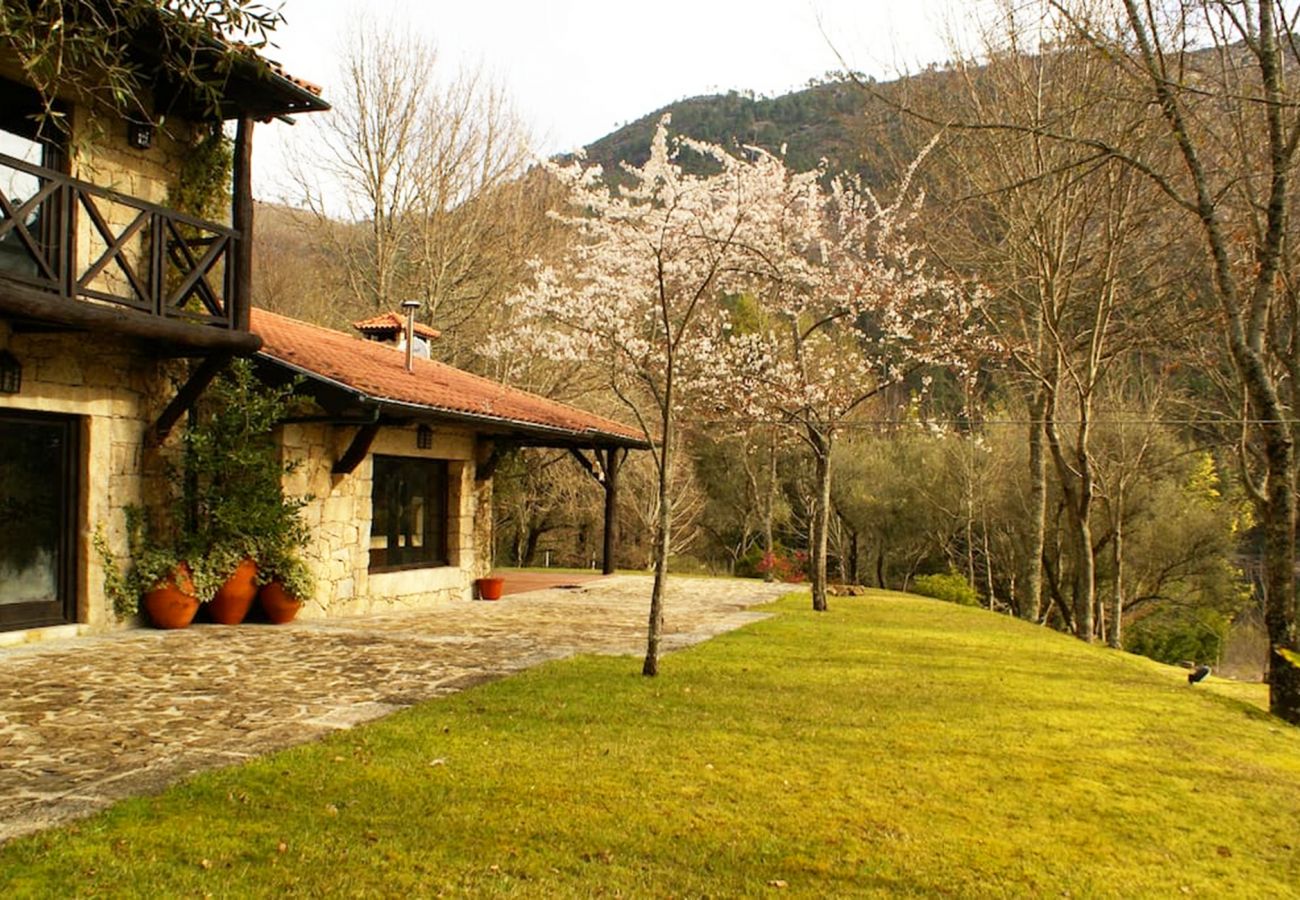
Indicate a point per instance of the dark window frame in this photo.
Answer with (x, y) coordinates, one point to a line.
(20, 107)
(392, 476)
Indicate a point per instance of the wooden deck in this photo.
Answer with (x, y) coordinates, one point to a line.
(519, 581)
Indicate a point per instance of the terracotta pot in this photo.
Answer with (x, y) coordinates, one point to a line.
(277, 603)
(489, 588)
(172, 602)
(232, 601)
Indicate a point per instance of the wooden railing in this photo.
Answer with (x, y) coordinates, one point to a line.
(82, 242)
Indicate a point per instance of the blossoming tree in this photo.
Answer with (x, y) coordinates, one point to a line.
(849, 309)
(636, 295)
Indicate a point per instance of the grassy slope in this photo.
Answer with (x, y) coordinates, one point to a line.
(892, 745)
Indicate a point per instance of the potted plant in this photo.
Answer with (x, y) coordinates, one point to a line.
(229, 528)
(159, 578)
(288, 584)
(233, 491)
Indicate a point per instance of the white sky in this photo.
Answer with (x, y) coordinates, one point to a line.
(577, 71)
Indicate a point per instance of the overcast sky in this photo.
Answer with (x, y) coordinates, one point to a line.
(577, 71)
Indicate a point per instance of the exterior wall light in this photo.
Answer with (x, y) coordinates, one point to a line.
(11, 373)
(139, 135)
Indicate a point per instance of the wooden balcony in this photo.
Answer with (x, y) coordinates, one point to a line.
(79, 256)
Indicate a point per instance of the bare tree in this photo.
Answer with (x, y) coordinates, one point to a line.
(1061, 231)
(1217, 78)
(415, 192)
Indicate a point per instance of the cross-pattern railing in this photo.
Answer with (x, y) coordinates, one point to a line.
(83, 242)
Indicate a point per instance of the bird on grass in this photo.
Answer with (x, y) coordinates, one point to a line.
(1198, 674)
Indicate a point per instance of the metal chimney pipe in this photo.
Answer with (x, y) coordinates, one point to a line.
(410, 306)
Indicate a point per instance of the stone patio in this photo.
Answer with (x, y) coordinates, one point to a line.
(87, 721)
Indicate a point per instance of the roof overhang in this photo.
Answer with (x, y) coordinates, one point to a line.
(348, 404)
(247, 84)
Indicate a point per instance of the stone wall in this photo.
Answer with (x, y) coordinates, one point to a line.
(102, 156)
(116, 392)
(339, 517)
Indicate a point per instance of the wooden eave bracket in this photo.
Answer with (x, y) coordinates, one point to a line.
(185, 398)
(357, 450)
(486, 459)
(595, 470)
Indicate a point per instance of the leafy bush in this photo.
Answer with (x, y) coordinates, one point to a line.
(1178, 635)
(791, 568)
(949, 587)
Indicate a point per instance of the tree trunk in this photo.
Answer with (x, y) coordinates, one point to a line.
(844, 550)
(1115, 634)
(530, 544)
(821, 444)
(1279, 573)
(662, 537)
(1031, 603)
(853, 557)
(1076, 485)
(769, 505)
(1085, 577)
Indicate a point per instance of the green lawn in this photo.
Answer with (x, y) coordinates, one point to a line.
(894, 745)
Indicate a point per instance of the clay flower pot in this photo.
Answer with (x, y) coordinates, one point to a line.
(278, 604)
(172, 603)
(232, 601)
(489, 588)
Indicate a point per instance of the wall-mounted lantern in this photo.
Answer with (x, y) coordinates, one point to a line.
(424, 438)
(139, 135)
(11, 373)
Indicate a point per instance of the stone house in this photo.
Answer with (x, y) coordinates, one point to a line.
(116, 312)
(398, 462)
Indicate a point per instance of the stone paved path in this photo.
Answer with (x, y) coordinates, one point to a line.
(88, 721)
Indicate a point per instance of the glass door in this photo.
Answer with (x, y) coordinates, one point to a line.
(38, 492)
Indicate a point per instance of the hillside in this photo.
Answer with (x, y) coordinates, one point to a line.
(826, 121)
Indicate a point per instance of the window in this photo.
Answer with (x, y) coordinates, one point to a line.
(27, 227)
(409, 504)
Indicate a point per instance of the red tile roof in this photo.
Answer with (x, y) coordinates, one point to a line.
(379, 372)
(303, 83)
(393, 322)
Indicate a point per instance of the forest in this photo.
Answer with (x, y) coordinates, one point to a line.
(1018, 331)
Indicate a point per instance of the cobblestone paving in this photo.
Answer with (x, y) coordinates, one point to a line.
(88, 721)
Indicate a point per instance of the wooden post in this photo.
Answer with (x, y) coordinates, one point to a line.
(240, 301)
(612, 462)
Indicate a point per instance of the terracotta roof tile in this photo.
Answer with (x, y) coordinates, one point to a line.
(393, 322)
(379, 372)
(303, 83)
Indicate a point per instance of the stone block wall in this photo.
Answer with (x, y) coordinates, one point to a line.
(339, 516)
(116, 392)
(102, 156)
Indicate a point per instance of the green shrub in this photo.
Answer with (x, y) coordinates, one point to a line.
(949, 587)
(1176, 635)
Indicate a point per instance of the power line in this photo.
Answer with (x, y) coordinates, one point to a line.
(978, 422)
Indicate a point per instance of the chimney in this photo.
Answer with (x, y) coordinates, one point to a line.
(410, 306)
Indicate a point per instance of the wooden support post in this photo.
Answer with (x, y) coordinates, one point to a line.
(240, 299)
(185, 399)
(357, 450)
(612, 462)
